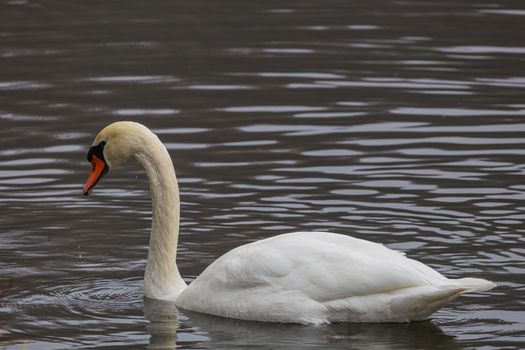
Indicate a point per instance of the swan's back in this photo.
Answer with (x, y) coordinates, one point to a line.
(318, 277)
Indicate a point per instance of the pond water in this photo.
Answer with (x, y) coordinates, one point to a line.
(401, 122)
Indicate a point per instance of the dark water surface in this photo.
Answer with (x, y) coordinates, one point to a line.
(401, 122)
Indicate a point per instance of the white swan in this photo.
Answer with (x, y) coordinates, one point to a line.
(300, 277)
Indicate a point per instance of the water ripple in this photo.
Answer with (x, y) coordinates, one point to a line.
(377, 122)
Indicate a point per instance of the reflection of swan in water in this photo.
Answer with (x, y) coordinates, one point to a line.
(196, 328)
(163, 318)
(300, 277)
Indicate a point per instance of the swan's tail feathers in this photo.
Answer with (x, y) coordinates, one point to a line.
(474, 284)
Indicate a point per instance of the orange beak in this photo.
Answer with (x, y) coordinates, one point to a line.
(99, 169)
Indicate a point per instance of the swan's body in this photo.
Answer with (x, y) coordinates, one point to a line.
(301, 277)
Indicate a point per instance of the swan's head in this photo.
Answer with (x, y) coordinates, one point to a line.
(113, 145)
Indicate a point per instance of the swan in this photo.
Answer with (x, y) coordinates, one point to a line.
(299, 277)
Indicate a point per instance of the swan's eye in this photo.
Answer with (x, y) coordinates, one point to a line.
(97, 150)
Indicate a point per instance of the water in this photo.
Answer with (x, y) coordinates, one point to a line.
(395, 121)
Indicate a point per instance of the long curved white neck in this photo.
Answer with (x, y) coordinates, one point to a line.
(162, 279)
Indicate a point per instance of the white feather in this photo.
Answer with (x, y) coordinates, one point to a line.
(318, 277)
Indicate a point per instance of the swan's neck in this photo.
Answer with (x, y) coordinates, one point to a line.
(162, 279)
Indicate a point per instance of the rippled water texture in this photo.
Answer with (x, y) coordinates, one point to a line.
(401, 122)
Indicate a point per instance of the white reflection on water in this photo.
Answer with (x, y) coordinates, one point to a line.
(144, 112)
(483, 49)
(133, 79)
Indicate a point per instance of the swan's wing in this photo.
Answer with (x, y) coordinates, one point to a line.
(314, 277)
(325, 266)
(307, 266)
